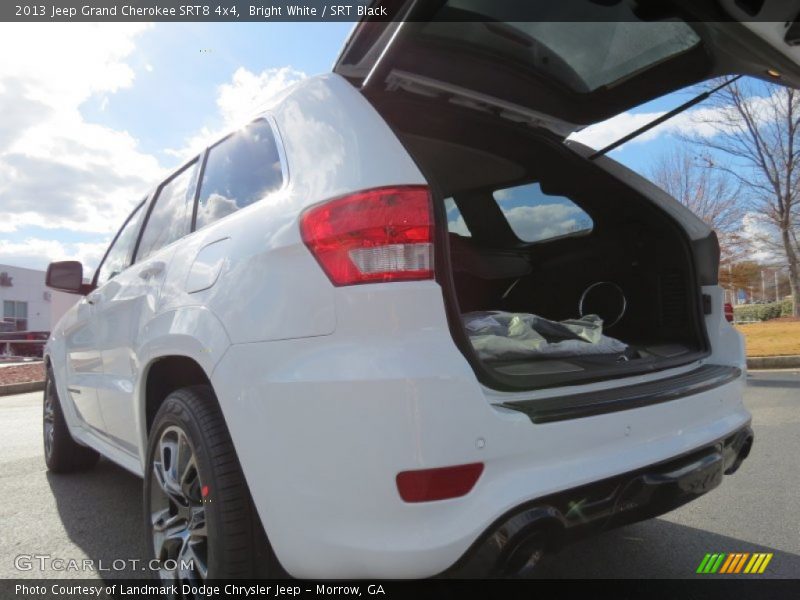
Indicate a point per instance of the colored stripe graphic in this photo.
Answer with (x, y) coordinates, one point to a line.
(758, 563)
(728, 564)
(703, 563)
(723, 563)
(733, 561)
(764, 564)
(741, 562)
(713, 564)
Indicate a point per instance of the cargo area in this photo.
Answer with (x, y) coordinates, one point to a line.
(556, 268)
(554, 272)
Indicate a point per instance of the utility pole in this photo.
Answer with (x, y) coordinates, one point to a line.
(763, 287)
(777, 291)
(730, 283)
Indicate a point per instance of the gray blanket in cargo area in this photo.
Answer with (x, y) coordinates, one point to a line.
(499, 335)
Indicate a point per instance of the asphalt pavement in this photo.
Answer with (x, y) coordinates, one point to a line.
(98, 515)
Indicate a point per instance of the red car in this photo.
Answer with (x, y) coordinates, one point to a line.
(27, 348)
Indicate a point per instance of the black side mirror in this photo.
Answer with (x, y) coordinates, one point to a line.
(67, 276)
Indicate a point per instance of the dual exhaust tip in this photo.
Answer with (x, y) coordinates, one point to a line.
(516, 544)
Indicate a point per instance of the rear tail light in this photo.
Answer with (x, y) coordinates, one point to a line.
(728, 310)
(384, 234)
(438, 484)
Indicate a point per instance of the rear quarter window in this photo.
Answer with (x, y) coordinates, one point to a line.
(536, 217)
(240, 170)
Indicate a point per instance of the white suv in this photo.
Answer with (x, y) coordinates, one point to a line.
(397, 326)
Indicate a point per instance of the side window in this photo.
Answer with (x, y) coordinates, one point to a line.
(171, 215)
(535, 216)
(455, 221)
(240, 170)
(15, 312)
(119, 255)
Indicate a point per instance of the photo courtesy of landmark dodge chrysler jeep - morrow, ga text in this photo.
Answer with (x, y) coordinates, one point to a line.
(399, 326)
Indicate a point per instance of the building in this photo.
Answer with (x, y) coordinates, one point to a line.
(27, 304)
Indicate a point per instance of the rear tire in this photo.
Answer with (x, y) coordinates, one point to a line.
(197, 505)
(62, 454)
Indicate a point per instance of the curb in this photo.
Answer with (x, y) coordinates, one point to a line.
(21, 388)
(773, 362)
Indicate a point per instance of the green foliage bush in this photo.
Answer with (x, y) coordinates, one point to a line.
(786, 307)
(763, 312)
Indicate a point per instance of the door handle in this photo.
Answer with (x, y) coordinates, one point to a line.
(152, 270)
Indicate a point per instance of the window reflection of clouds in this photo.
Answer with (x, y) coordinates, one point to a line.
(171, 215)
(455, 221)
(535, 216)
(119, 253)
(214, 208)
(240, 170)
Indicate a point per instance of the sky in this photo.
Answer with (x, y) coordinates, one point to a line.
(95, 114)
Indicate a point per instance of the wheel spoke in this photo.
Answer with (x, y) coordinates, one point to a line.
(183, 458)
(190, 482)
(190, 552)
(167, 472)
(168, 543)
(161, 478)
(197, 522)
(164, 521)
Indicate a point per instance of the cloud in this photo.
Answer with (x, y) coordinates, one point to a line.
(692, 122)
(604, 133)
(239, 101)
(36, 253)
(247, 92)
(56, 169)
(61, 172)
(761, 237)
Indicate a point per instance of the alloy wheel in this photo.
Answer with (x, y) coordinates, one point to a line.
(177, 509)
(49, 418)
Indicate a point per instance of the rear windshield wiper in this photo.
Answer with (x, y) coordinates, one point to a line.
(665, 117)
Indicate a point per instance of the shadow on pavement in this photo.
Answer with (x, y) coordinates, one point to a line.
(101, 511)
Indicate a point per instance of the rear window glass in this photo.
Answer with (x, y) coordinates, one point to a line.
(455, 221)
(584, 55)
(535, 216)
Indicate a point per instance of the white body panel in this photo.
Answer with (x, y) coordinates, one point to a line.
(330, 392)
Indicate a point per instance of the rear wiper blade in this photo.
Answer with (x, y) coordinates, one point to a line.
(665, 117)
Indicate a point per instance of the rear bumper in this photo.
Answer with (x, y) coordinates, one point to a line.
(614, 502)
(322, 426)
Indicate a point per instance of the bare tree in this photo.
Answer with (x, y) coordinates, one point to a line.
(757, 127)
(708, 192)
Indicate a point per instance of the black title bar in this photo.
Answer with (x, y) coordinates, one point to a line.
(379, 10)
(437, 589)
(199, 10)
